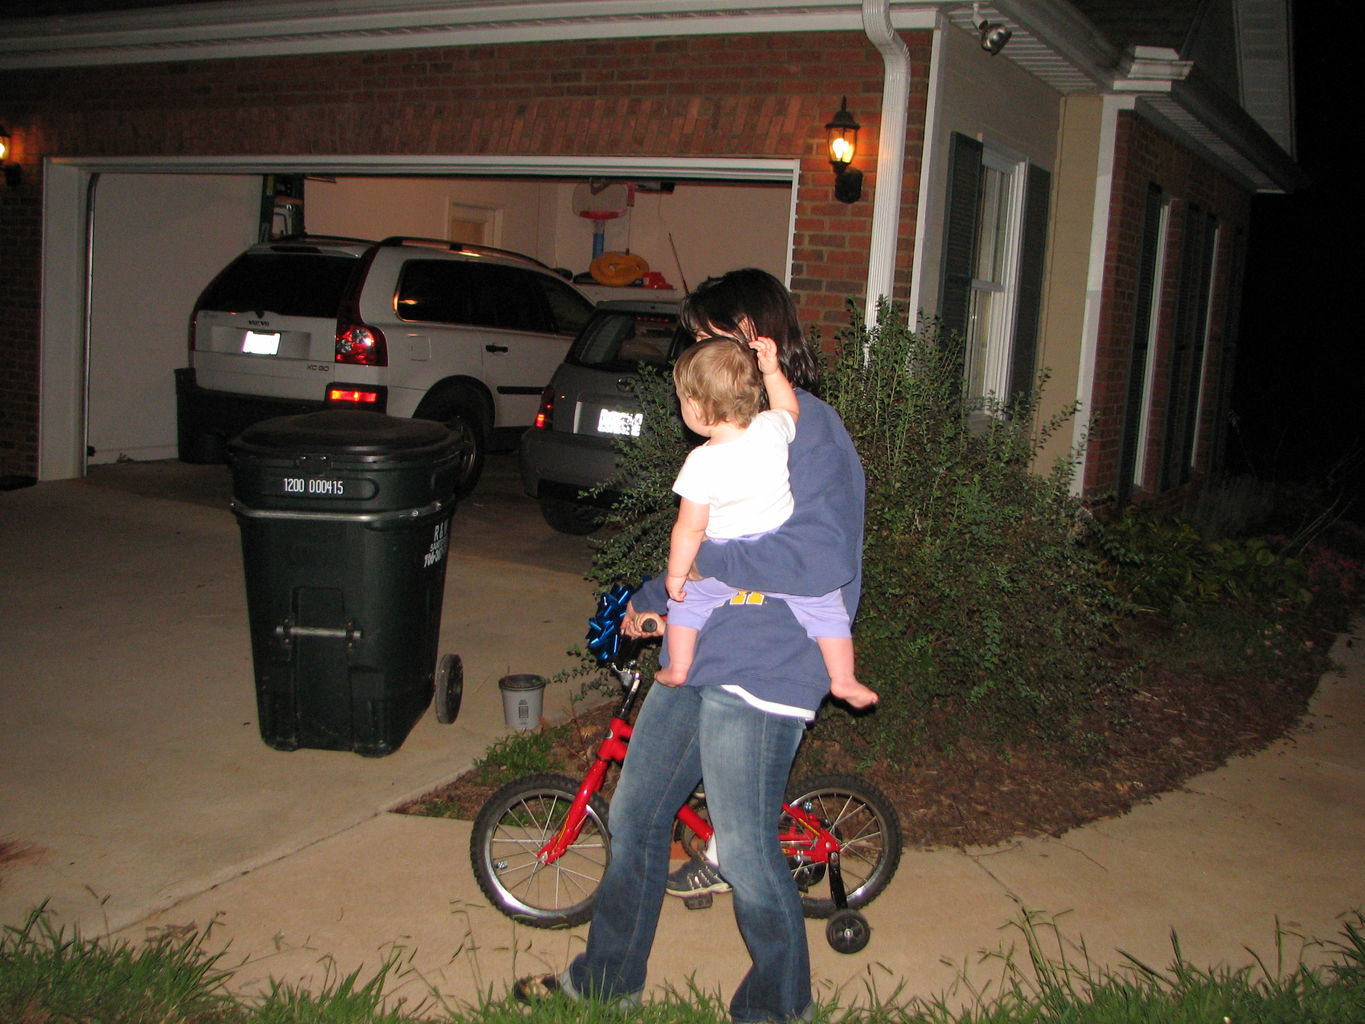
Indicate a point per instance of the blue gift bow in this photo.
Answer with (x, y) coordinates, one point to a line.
(604, 628)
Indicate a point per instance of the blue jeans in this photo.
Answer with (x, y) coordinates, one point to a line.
(683, 734)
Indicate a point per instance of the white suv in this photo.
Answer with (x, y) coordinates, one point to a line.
(466, 335)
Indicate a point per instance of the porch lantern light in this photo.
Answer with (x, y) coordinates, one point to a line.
(13, 173)
(842, 140)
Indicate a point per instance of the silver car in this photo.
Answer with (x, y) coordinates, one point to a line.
(589, 404)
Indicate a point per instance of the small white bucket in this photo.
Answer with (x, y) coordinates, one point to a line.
(522, 696)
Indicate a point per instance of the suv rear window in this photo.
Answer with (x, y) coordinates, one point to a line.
(287, 284)
(620, 340)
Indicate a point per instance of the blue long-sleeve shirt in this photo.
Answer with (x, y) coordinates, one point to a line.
(760, 646)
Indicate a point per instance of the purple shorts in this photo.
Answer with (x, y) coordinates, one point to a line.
(823, 616)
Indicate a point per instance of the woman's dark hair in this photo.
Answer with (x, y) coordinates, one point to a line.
(719, 305)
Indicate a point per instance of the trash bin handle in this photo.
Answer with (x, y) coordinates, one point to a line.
(247, 512)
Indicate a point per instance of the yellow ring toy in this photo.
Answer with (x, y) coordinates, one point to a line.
(618, 268)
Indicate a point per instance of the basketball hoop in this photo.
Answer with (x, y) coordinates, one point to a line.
(600, 202)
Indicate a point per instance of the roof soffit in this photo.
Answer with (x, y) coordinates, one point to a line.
(1053, 40)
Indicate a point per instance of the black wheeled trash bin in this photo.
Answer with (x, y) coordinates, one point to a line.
(345, 522)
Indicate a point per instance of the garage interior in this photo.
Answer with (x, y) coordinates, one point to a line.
(156, 237)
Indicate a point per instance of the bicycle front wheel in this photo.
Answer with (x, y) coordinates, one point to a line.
(864, 821)
(512, 828)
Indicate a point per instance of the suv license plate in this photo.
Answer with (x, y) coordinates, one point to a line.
(261, 343)
(610, 421)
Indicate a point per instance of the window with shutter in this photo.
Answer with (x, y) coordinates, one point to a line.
(1146, 305)
(1033, 247)
(1187, 352)
(995, 240)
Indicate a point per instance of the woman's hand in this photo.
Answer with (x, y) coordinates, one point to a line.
(640, 625)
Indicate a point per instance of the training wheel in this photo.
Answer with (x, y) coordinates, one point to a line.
(449, 688)
(847, 931)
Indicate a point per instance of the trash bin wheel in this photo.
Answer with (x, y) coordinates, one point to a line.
(449, 688)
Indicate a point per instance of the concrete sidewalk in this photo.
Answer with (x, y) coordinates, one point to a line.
(135, 778)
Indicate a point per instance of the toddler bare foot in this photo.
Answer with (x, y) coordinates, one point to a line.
(853, 693)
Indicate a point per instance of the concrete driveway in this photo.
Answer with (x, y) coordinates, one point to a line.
(138, 796)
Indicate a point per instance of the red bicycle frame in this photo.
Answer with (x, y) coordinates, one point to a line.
(805, 838)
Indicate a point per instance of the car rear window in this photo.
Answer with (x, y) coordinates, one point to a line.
(287, 284)
(620, 340)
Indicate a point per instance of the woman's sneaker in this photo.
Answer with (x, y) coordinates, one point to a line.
(694, 882)
(537, 988)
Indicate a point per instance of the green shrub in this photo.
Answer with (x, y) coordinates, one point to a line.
(518, 754)
(642, 515)
(982, 610)
(1231, 506)
(1158, 562)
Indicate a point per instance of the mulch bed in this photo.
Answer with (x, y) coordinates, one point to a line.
(1174, 725)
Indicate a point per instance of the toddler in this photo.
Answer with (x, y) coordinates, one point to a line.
(735, 485)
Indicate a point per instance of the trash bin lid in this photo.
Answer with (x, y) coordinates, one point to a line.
(344, 431)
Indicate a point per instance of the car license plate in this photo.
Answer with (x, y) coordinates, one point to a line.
(261, 343)
(612, 421)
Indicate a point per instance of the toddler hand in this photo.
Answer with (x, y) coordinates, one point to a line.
(766, 350)
(674, 586)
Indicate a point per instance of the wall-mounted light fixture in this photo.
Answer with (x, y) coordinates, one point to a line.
(13, 172)
(842, 139)
(993, 36)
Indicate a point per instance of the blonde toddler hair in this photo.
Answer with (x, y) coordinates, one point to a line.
(721, 376)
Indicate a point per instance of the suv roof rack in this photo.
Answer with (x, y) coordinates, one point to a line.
(307, 241)
(465, 247)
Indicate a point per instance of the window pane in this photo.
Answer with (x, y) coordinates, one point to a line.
(286, 284)
(995, 214)
(436, 291)
(619, 339)
(472, 293)
(568, 308)
(978, 340)
(511, 297)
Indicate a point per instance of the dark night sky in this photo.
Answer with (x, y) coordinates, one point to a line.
(1300, 389)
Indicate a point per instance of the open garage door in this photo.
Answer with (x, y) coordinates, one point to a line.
(130, 243)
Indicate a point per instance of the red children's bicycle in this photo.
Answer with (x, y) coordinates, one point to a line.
(541, 843)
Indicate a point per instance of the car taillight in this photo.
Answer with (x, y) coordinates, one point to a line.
(545, 417)
(361, 345)
(352, 396)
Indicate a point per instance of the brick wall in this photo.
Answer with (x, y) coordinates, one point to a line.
(1144, 155)
(749, 96)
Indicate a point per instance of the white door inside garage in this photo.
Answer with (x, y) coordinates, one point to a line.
(158, 239)
(129, 245)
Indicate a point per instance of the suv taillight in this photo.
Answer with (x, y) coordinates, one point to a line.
(360, 345)
(545, 416)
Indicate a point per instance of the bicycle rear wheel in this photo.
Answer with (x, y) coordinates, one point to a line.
(513, 826)
(864, 821)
